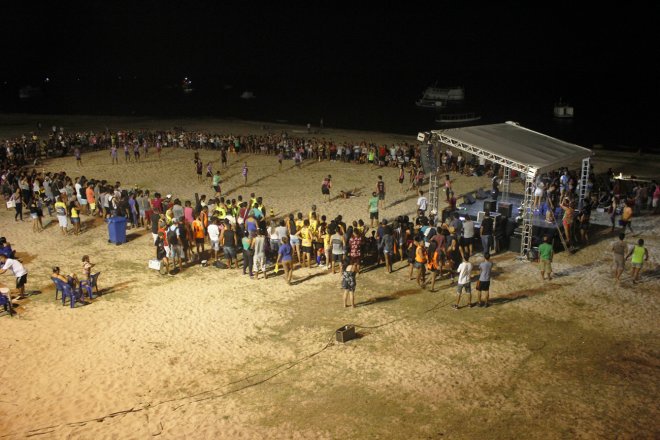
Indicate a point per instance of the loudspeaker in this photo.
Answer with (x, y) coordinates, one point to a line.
(445, 214)
(468, 199)
(505, 208)
(490, 205)
(515, 241)
(345, 333)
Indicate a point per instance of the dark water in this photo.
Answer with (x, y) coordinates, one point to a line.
(608, 111)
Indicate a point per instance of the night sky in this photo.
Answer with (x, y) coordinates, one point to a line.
(159, 39)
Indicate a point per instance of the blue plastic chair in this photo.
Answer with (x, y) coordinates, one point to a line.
(87, 286)
(57, 288)
(93, 280)
(67, 292)
(5, 304)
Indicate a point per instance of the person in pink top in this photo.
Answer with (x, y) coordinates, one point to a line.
(188, 212)
(157, 203)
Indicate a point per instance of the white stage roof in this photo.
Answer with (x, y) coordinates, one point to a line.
(515, 144)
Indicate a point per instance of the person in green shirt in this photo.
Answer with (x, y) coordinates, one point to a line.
(639, 255)
(216, 183)
(545, 255)
(373, 209)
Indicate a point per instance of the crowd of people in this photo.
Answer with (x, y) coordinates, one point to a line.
(238, 232)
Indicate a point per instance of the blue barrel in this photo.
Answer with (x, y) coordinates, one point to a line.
(117, 230)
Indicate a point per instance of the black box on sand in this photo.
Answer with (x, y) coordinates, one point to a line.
(345, 333)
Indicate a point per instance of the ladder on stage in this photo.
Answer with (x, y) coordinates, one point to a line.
(431, 169)
(434, 197)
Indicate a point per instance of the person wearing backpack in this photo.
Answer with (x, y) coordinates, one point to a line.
(176, 248)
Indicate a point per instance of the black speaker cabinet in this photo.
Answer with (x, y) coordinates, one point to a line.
(515, 241)
(505, 208)
(445, 214)
(490, 205)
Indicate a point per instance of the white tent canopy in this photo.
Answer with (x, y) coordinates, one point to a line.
(518, 147)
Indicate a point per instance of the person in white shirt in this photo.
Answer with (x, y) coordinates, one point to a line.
(19, 271)
(214, 235)
(468, 235)
(422, 204)
(464, 271)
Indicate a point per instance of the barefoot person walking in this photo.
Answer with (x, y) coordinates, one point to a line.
(326, 185)
(619, 249)
(348, 283)
(639, 255)
(245, 173)
(285, 256)
(545, 255)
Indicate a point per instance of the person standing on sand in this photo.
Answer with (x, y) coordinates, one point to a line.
(422, 204)
(348, 283)
(285, 255)
(213, 231)
(113, 155)
(486, 232)
(245, 172)
(567, 220)
(78, 156)
(229, 242)
(216, 183)
(420, 262)
(326, 185)
(639, 255)
(484, 280)
(61, 212)
(209, 171)
(380, 189)
(464, 271)
(402, 177)
(373, 209)
(259, 248)
(338, 243)
(545, 258)
(198, 169)
(223, 157)
(619, 249)
(626, 217)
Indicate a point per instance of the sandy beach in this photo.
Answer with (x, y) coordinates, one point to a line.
(210, 353)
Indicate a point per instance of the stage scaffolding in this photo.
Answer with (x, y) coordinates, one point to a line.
(533, 153)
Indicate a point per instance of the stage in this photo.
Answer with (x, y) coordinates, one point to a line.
(510, 231)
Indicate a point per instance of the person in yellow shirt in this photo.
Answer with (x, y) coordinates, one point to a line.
(221, 211)
(325, 236)
(306, 236)
(75, 217)
(299, 222)
(313, 212)
(61, 212)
